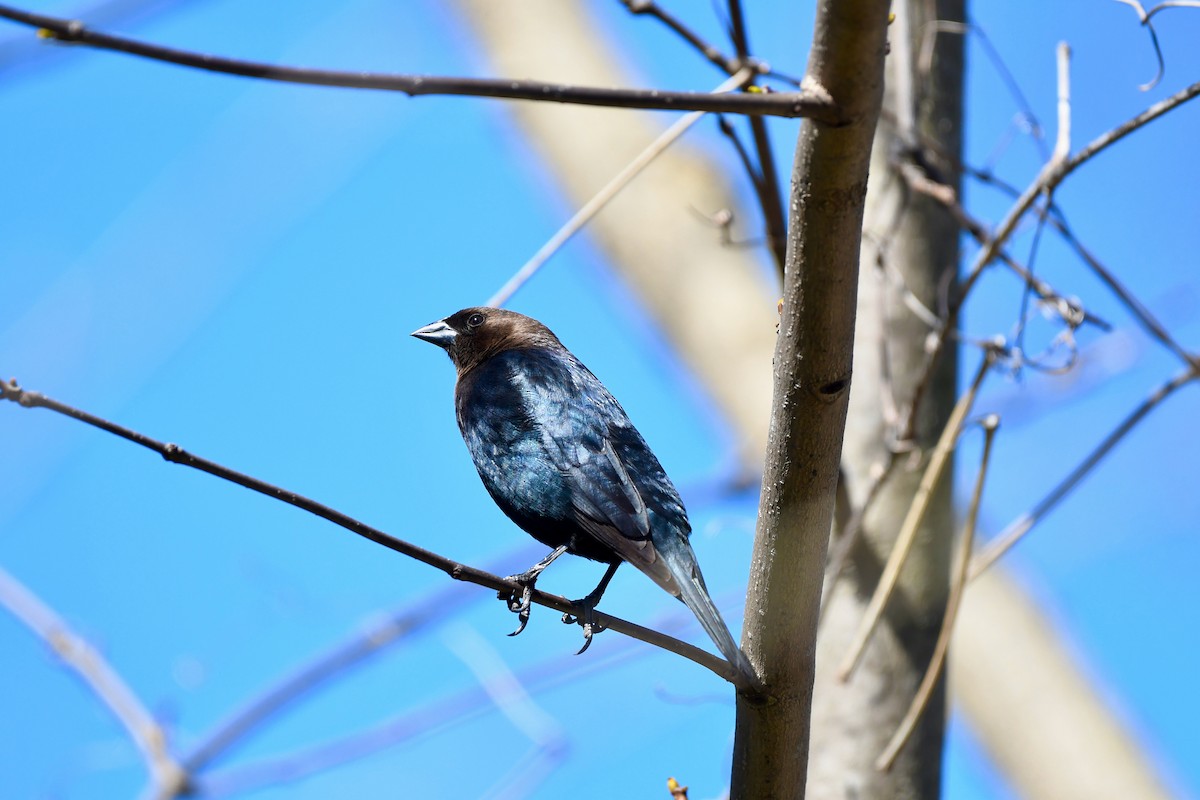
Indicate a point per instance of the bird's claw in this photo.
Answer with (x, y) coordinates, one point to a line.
(523, 620)
(586, 620)
(519, 604)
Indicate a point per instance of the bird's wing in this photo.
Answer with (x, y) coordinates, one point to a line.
(609, 506)
(607, 500)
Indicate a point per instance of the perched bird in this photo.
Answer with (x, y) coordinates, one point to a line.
(560, 457)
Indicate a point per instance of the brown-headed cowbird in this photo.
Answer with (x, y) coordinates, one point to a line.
(560, 457)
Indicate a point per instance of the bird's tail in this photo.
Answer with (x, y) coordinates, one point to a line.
(692, 591)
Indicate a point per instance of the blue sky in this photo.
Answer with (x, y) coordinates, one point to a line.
(235, 266)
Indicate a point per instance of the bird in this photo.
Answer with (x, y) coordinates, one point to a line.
(562, 460)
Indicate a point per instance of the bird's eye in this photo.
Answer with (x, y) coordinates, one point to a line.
(475, 320)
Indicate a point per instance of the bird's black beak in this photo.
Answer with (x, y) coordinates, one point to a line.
(438, 333)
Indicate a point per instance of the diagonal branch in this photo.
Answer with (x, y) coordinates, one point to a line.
(1025, 523)
(9, 390)
(1051, 175)
(912, 522)
(598, 201)
(958, 585)
(705, 48)
(804, 103)
(434, 717)
(768, 188)
(77, 653)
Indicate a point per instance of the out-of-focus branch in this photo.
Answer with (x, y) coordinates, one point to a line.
(167, 776)
(1053, 173)
(912, 520)
(803, 103)
(434, 717)
(1049, 734)
(598, 201)
(767, 188)
(9, 390)
(705, 48)
(958, 584)
(1144, 17)
(337, 661)
(1026, 522)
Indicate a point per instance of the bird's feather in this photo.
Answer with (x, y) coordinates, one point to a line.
(560, 457)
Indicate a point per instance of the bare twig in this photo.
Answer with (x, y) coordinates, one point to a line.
(1140, 312)
(764, 178)
(1014, 89)
(610, 190)
(840, 554)
(1051, 175)
(1025, 523)
(1144, 18)
(434, 717)
(1062, 143)
(768, 189)
(787, 104)
(706, 48)
(338, 660)
(174, 453)
(548, 739)
(916, 512)
(168, 776)
(1071, 312)
(958, 583)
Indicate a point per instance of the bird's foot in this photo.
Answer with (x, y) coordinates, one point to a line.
(520, 603)
(586, 620)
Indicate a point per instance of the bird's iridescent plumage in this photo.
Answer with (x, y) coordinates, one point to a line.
(560, 457)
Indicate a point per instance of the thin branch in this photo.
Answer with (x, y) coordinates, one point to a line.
(174, 453)
(434, 717)
(337, 660)
(768, 190)
(1106, 140)
(1023, 313)
(912, 521)
(1051, 175)
(1025, 523)
(1072, 313)
(743, 155)
(998, 63)
(769, 193)
(548, 739)
(706, 48)
(840, 554)
(1062, 143)
(168, 776)
(1144, 18)
(610, 190)
(764, 178)
(1140, 312)
(958, 584)
(786, 104)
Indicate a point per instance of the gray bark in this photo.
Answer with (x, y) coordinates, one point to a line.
(813, 359)
(910, 239)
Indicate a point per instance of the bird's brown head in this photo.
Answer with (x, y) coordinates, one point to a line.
(474, 335)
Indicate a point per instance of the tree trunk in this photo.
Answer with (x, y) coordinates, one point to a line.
(813, 359)
(910, 243)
